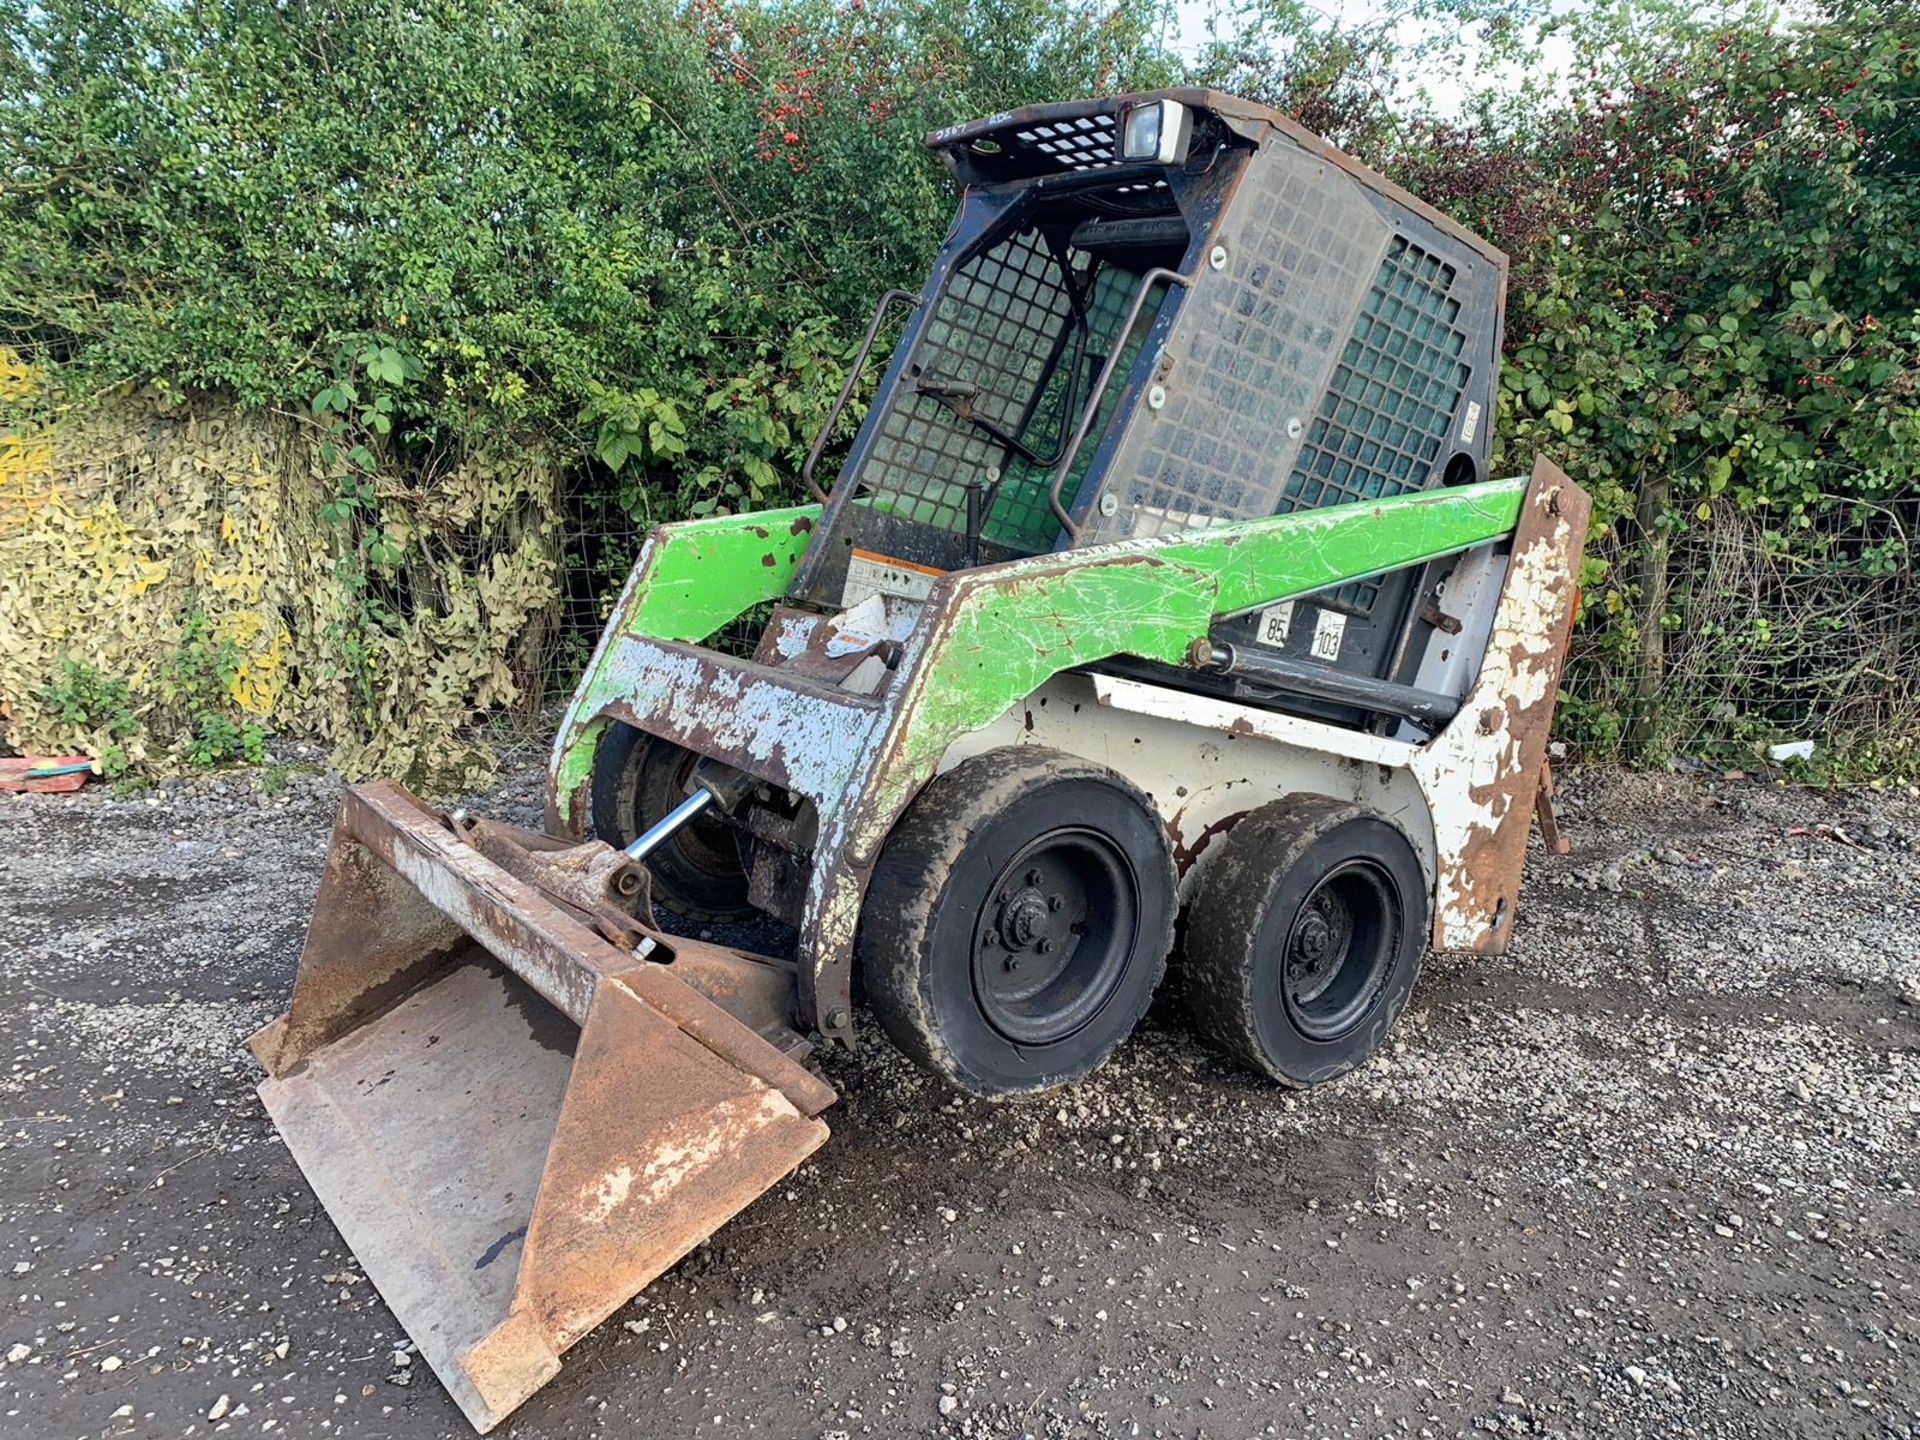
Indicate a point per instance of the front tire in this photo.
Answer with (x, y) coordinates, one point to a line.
(1304, 937)
(1018, 921)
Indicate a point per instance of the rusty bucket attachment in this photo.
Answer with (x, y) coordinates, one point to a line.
(518, 1108)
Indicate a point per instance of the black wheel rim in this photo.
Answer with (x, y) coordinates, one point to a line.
(706, 843)
(1054, 935)
(1340, 948)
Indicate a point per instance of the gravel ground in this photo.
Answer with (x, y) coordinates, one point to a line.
(1651, 1173)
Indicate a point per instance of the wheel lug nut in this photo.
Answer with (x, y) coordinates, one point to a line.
(1045, 946)
(1054, 902)
(992, 937)
(1033, 877)
(1013, 962)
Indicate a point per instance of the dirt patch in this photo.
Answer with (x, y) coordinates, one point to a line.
(1653, 1172)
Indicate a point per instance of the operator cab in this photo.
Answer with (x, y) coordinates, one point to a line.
(1159, 312)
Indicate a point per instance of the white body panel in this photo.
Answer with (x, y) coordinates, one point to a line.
(1204, 762)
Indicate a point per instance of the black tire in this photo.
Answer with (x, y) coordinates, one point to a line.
(637, 779)
(1304, 937)
(1073, 865)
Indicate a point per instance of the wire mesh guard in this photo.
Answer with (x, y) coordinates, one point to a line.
(1084, 142)
(1022, 516)
(1391, 402)
(995, 326)
(1394, 392)
(1004, 324)
(1250, 352)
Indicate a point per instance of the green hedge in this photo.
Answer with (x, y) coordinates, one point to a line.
(640, 236)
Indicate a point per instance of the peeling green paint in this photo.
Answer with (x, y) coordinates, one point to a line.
(697, 575)
(1008, 628)
(572, 765)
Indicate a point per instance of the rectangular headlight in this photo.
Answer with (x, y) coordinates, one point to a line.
(1155, 132)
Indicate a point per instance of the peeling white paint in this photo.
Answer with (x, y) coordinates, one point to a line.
(609, 1194)
(1518, 672)
(681, 1154)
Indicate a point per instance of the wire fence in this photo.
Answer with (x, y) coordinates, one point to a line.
(1767, 642)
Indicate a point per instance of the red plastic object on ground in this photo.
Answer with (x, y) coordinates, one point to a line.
(45, 773)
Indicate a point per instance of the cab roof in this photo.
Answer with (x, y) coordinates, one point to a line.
(1080, 136)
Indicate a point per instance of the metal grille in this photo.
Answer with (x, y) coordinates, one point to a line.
(1251, 351)
(1392, 398)
(995, 326)
(1084, 143)
(1021, 516)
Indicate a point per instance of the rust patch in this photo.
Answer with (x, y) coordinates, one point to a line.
(802, 524)
(1494, 774)
(1185, 856)
(372, 941)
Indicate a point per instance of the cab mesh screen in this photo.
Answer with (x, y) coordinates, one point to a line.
(1387, 410)
(1004, 322)
(1250, 351)
(996, 326)
(1022, 517)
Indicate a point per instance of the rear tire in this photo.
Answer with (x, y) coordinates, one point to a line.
(637, 779)
(1018, 921)
(1304, 937)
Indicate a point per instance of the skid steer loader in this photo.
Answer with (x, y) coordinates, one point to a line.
(1162, 580)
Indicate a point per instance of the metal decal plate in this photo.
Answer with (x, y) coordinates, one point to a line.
(1471, 424)
(870, 574)
(1276, 622)
(1327, 633)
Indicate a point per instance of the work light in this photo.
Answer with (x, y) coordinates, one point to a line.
(1156, 131)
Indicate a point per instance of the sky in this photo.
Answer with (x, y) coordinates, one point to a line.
(1449, 91)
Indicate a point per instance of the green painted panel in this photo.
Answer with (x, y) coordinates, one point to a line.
(1258, 561)
(702, 573)
(1010, 627)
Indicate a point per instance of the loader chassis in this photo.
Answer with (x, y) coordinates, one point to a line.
(987, 640)
(1161, 577)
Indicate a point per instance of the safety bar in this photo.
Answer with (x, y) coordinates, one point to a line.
(846, 390)
(1428, 708)
(1147, 282)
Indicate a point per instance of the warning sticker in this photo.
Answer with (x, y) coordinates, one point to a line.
(870, 574)
(1275, 622)
(1471, 424)
(1327, 633)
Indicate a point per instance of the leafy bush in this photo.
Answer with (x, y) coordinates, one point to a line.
(81, 697)
(645, 229)
(1727, 324)
(199, 681)
(637, 240)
